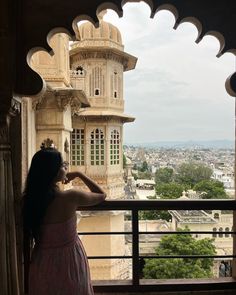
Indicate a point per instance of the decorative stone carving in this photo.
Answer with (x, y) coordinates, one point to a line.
(62, 98)
(48, 143)
(66, 146)
(15, 108)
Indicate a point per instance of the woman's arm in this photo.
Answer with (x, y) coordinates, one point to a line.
(92, 185)
(81, 198)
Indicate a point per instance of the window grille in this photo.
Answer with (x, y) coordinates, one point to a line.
(97, 147)
(96, 82)
(77, 147)
(115, 148)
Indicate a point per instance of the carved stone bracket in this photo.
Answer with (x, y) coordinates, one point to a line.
(15, 108)
(66, 146)
(62, 98)
(73, 97)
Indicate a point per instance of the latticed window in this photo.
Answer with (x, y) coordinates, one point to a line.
(115, 148)
(97, 147)
(214, 234)
(115, 85)
(220, 232)
(77, 147)
(96, 82)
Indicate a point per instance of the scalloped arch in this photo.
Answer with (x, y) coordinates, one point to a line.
(194, 21)
(215, 18)
(170, 8)
(81, 18)
(110, 5)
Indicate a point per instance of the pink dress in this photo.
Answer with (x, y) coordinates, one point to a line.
(59, 264)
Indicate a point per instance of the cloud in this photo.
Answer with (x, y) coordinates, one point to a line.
(177, 90)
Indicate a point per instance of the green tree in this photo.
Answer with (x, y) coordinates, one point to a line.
(144, 175)
(169, 190)
(154, 215)
(181, 244)
(164, 175)
(144, 167)
(189, 174)
(211, 189)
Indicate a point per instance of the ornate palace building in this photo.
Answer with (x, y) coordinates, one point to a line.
(82, 111)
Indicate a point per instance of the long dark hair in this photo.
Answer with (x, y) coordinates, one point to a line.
(40, 188)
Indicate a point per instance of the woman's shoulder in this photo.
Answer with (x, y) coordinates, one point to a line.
(69, 195)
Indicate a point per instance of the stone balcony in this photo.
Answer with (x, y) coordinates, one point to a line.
(217, 286)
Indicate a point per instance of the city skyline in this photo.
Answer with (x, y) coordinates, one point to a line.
(177, 90)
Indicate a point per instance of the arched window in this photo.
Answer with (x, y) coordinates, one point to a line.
(227, 234)
(220, 232)
(115, 85)
(97, 92)
(97, 147)
(96, 82)
(115, 148)
(80, 70)
(77, 147)
(217, 216)
(214, 234)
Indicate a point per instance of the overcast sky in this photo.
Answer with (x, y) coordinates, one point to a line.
(176, 91)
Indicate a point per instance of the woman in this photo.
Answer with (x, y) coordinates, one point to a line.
(58, 263)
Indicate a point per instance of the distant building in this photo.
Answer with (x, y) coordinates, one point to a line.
(145, 188)
(224, 176)
(216, 221)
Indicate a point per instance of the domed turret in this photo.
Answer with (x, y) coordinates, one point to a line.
(106, 34)
(105, 31)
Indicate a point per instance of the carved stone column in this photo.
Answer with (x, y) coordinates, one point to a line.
(9, 283)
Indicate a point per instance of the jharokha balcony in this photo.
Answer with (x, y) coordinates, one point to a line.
(40, 95)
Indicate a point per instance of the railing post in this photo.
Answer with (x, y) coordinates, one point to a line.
(135, 247)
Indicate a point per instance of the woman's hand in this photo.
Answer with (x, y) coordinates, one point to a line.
(92, 185)
(70, 176)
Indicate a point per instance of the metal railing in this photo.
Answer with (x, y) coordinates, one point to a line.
(139, 285)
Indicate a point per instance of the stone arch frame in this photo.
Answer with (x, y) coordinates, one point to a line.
(202, 15)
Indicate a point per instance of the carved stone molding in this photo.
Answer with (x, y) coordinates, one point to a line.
(36, 103)
(62, 99)
(4, 132)
(107, 55)
(15, 108)
(66, 146)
